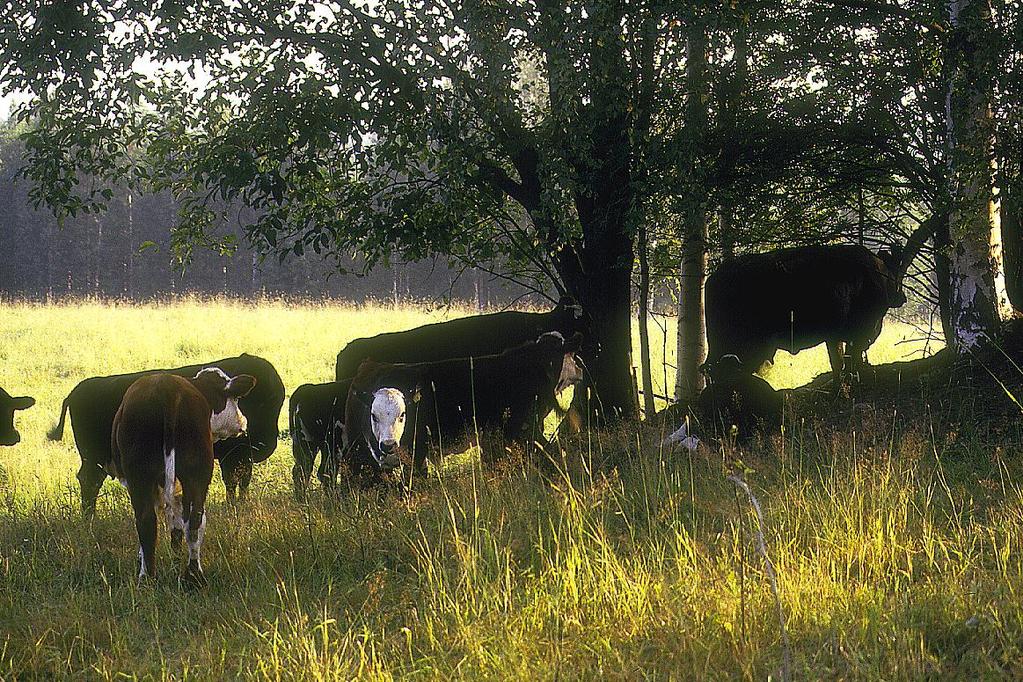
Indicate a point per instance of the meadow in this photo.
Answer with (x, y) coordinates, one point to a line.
(895, 545)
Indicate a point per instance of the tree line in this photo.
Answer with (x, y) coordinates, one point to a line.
(593, 148)
(125, 252)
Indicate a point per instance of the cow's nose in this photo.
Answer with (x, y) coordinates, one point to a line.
(388, 446)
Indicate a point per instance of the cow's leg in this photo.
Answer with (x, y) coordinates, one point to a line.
(236, 469)
(492, 446)
(90, 480)
(858, 353)
(305, 456)
(244, 477)
(173, 508)
(420, 451)
(330, 466)
(195, 530)
(144, 502)
(836, 354)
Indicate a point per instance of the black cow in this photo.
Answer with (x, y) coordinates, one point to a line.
(462, 338)
(93, 403)
(316, 414)
(8, 405)
(449, 399)
(797, 298)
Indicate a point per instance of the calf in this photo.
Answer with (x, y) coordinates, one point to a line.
(797, 298)
(93, 402)
(316, 415)
(162, 437)
(8, 405)
(734, 398)
(448, 399)
(741, 399)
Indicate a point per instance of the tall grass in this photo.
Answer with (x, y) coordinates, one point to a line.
(896, 552)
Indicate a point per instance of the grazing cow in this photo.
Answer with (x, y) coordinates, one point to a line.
(449, 399)
(316, 415)
(462, 338)
(162, 438)
(797, 298)
(8, 405)
(93, 403)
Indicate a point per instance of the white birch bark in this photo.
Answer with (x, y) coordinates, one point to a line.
(979, 301)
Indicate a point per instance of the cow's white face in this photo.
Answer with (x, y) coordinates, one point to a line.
(387, 423)
(571, 373)
(229, 421)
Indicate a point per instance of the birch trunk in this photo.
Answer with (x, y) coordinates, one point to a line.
(978, 300)
(692, 327)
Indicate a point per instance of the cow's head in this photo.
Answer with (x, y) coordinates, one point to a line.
(569, 317)
(563, 367)
(892, 261)
(222, 393)
(384, 412)
(726, 368)
(8, 405)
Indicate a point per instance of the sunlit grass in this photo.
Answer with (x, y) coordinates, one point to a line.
(897, 554)
(898, 341)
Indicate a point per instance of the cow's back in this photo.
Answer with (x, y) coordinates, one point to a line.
(94, 402)
(467, 336)
(157, 413)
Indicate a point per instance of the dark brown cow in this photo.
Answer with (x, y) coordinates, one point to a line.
(429, 404)
(8, 405)
(162, 438)
(797, 298)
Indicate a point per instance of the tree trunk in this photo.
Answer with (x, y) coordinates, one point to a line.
(976, 280)
(731, 99)
(129, 259)
(692, 328)
(644, 320)
(726, 232)
(692, 323)
(1012, 245)
(600, 279)
(597, 269)
(943, 279)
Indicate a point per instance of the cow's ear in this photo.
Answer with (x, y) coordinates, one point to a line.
(240, 385)
(23, 403)
(550, 339)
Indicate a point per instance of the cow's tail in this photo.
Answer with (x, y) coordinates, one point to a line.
(170, 475)
(57, 432)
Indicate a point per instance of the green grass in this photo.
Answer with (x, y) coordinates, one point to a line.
(897, 551)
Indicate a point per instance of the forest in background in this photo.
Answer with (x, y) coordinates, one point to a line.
(125, 253)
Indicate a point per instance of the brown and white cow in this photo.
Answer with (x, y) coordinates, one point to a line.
(8, 405)
(162, 440)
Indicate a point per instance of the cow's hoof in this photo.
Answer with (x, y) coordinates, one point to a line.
(193, 577)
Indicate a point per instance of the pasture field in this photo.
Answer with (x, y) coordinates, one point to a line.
(896, 546)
